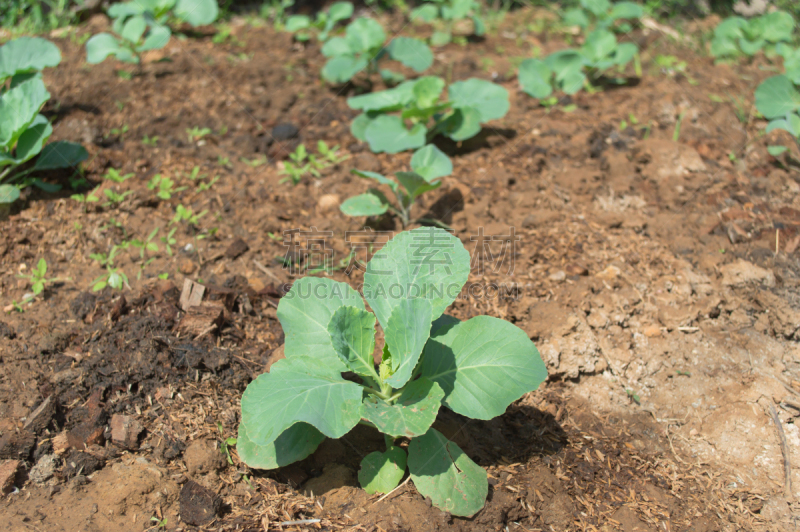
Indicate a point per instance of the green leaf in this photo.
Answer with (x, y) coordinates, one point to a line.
(388, 134)
(776, 150)
(382, 472)
(377, 177)
(101, 46)
(597, 7)
(564, 62)
(776, 97)
(19, 107)
(133, 29)
(299, 22)
(431, 163)
(483, 364)
(365, 34)
(442, 471)
(723, 47)
(427, 91)
(157, 38)
(464, 123)
(336, 46)
(383, 101)
(599, 44)
(341, 69)
(413, 53)
(27, 54)
(412, 414)
(61, 154)
(415, 184)
(573, 81)
(359, 126)
(296, 443)
(391, 78)
(575, 17)
(626, 10)
(624, 53)
(364, 205)
(479, 28)
(197, 12)
(352, 333)
(489, 99)
(730, 28)
(425, 13)
(779, 26)
(8, 194)
(300, 389)
(535, 78)
(340, 11)
(406, 332)
(426, 262)
(751, 47)
(31, 141)
(441, 38)
(306, 310)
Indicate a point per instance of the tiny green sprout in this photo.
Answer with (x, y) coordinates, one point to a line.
(85, 198)
(113, 277)
(475, 368)
(254, 163)
(623, 125)
(114, 175)
(776, 151)
(330, 154)
(147, 244)
(119, 104)
(163, 276)
(633, 396)
(274, 237)
(186, 214)
(676, 134)
(684, 373)
(150, 141)
(38, 278)
(223, 161)
(115, 198)
(169, 241)
(197, 133)
(159, 523)
(225, 448)
(164, 186)
(732, 156)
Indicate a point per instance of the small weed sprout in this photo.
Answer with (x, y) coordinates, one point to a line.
(38, 277)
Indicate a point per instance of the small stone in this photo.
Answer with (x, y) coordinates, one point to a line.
(8, 474)
(125, 431)
(237, 248)
(285, 131)
(558, 276)
(186, 267)
(610, 273)
(44, 469)
(651, 331)
(199, 505)
(328, 202)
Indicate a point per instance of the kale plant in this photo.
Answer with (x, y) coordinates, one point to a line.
(421, 115)
(568, 70)
(428, 166)
(445, 14)
(142, 25)
(301, 25)
(778, 99)
(476, 368)
(736, 36)
(23, 130)
(602, 14)
(362, 48)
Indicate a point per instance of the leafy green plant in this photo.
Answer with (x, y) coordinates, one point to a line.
(23, 130)
(197, 133)
(428, 166)
(444, 14)
(113, 276)
(142, 25)
(602, 14)
(112, 174)
(115, 198)
(302, 25)
(164, 186)
(569, 70)
(791, 61)
(303, 163)
(476, 368)
(38, 277)
(150, 141)
(422, 114)
(736, 36)
(186, 214)
(362, 47)
(778, 99)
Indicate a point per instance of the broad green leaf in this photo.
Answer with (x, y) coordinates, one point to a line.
(624, 53)
(431, 163)
(61, 154)
(383, 101)
(341, 69)
(8, 194)
(442, 471)
(426, 262)
(47, 187)
(30, 143)
(778, 26)
(27, 54)
(300, 389)
(599, 44)
(441, 38)
(157, 38)
(751, 47)
(626, 10)
(364, 34)
(730, 28)
(427, 91)
(359, 126)
(377, 177)
(415, 184)
(412, 414)
(382, 472)
(101, 46)
(479, 28)
(464, 123)
(535, 78)
(340, 11)
(489, 99)
(296, 442)
(483, 364)
(776, 150)
(777, 96)
(364, 205)
(133, 29)
(352, 333)
(456, 9)
(723, 47)
(413, 53)
(406, 332)
(337, 46)
(197, 12)
(425, 13)
(19, 107)
(779, 123)
(573, 81)
(563, 62)
(575, 17)
(388, 134)
(306, 310)
(794, 123)
(390, 77)
(300, 22)
(596, 7)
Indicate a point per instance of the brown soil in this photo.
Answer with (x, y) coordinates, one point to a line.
(659, 280)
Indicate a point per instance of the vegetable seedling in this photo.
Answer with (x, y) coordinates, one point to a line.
(476, 368)
(736, 36)
(150, 141)
(445, 15)
(422, 114)
(197, 133)
(428, 166)
(38, 277)
(164, 186)
(602, 14)
(778, 99)
(114, 175)
(185, 214)
(303, 26)
(113, 277)
(23, 130)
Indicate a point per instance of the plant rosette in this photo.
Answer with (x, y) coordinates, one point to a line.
(602, 14)
(736, 36)
(303, 25)
(410, 115)
(23, 130)
(445, 15)
(476, 368)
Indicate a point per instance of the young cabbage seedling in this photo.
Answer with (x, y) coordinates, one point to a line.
(736, 36)
(603, 14)
(428, 166)
(422, 114)
(23, 131)
(362, 47)
(778, 99)
(476, 368)
(302, 25)
(445, 16)
(38, 277)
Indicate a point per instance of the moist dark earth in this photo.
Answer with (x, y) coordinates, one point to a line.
(658, 278)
